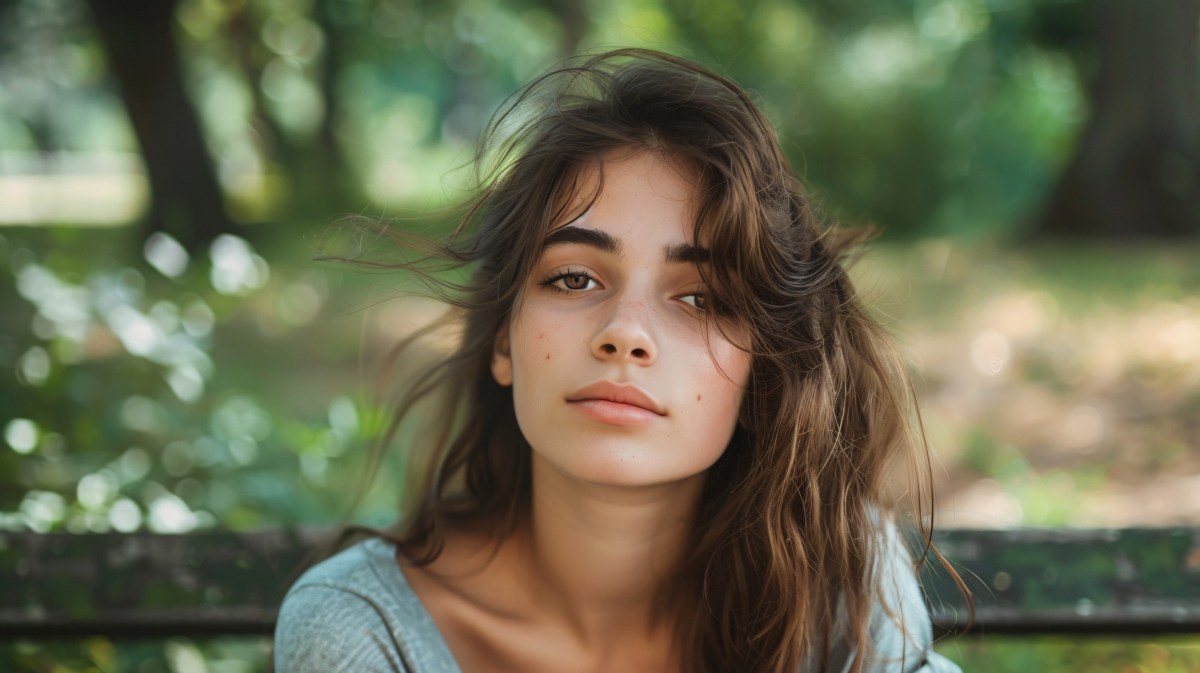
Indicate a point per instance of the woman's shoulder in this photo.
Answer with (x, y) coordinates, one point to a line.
(356, 612)
(901, 631)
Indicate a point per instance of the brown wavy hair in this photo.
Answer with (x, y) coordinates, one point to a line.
(786, 540)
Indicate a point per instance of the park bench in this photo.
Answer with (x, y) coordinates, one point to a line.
(1025, 582)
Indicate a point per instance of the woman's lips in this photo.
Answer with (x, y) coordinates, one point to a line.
(614, 413)
(616, 404)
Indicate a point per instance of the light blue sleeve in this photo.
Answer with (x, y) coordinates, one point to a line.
(328, 629)
(901, 635)
(903, 640)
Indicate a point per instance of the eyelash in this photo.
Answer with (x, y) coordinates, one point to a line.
(552, 281)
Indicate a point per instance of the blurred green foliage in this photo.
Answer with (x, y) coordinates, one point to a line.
(118, 417)
(175, 655)
(224, 393)
(925, 116)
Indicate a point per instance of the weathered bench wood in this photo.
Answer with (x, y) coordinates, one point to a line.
(143, 584)
(1072, 581)
(1123, 581)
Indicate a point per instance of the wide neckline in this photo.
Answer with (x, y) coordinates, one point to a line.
(383, 557)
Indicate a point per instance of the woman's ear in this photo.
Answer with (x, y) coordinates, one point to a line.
(502, 369)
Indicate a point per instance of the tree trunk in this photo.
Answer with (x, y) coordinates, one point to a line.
(336, 43)
(139, 40)
(1135, 171)
(575, 21)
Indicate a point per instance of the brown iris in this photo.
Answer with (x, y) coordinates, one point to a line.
(575, 281)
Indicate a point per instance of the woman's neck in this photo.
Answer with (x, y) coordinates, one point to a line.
(602, 557)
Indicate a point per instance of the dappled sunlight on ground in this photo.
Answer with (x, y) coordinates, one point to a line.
(1059, 387)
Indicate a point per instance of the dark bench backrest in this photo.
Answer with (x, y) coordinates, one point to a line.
(1025, 581)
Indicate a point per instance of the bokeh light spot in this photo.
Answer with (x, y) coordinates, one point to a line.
(170, 514)
(22, 435)
(124, 515)
(236, 268)
(34, 366)
(990, 352)
(165, 254)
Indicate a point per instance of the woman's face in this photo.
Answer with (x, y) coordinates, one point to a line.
(616, 378)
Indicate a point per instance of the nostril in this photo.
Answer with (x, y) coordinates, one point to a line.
(639, 353)
(609, 348)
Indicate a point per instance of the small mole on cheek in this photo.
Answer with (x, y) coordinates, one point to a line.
(697, 398)
(547, 356)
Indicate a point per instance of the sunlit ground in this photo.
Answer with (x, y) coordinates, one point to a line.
(1060, 384)
(110, 189)
(106, 189)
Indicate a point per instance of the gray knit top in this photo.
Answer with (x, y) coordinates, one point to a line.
(356, 612)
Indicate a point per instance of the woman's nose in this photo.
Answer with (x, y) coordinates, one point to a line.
(626, 335)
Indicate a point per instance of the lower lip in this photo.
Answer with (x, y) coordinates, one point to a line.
(615, 413)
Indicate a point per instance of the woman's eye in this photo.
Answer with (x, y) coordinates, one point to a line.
(696, 300)
(572, 282)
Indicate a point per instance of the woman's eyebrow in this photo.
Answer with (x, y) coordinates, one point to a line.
(678, 253)
(590, 237)
(686, 253)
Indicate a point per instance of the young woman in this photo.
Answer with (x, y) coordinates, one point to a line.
(662, 441)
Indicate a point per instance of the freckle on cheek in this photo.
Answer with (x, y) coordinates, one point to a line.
(697, 398)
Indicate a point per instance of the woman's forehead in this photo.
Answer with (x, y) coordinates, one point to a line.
(625, 176)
